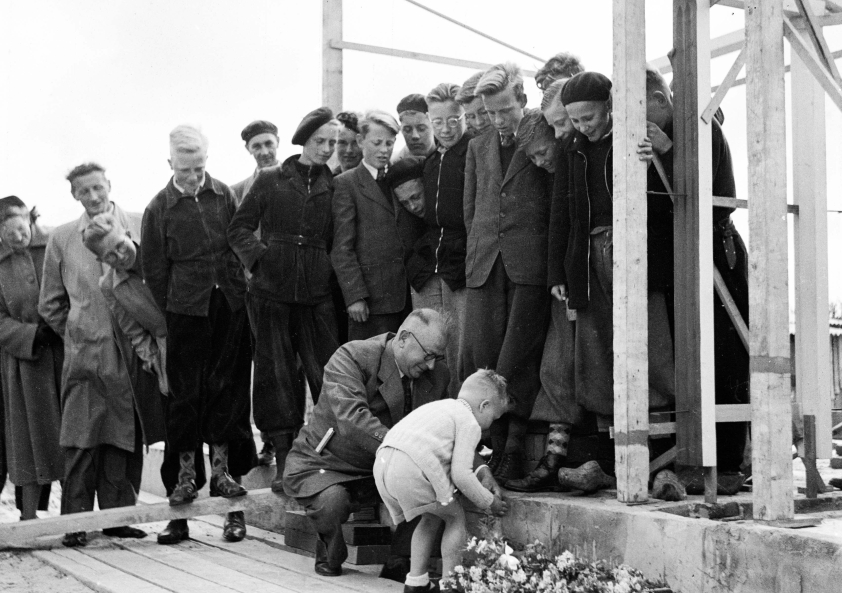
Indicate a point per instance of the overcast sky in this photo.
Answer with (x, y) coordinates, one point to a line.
(107, 80)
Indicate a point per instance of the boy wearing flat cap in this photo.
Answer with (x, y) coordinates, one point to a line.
(289, 298)
(261, 138)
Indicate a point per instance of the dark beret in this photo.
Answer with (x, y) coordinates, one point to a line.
(311, 122)
(258, 127)
(406, 169)
(586, 86)
(413, 102)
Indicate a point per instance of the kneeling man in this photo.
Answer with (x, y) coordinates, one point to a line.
(369, 385)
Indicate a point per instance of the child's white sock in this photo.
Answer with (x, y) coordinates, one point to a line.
(422, 580)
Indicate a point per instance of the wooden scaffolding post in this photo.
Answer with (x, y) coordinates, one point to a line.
(768, 282)
(631, 358)
(331, 56)
(809, 171)
(695, 397)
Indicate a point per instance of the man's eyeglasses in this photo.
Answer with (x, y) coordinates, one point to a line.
(450, 122)
(427, 354)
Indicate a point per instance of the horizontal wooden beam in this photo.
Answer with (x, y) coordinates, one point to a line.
(25, 533)
(739, 203)
(719, 46)
(413, 55)
(733, 413)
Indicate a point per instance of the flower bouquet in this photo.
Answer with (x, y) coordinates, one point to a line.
(491, 566)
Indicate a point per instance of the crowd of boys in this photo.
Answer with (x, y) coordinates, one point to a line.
(382, 285)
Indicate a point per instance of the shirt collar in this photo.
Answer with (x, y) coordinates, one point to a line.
(370, 169)
(181, 189)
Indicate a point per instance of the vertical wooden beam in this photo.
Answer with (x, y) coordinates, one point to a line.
(809, 170)
(693, 272)
(768, 270)
(631, 332)
(331, 57)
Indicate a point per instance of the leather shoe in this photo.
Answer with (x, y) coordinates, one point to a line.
(430, 587)
(75, 540)
(183, 493)
(234, 528)
(395, 568)
(542, 478)
(511, 467)
(267, 453)
(323, 567)
(224, 485)
(124, 531)
(588, 478)
(175, 531)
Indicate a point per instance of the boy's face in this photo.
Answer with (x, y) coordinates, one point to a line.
(504, 111)
(411, 196)
(591, 118)
(542, 153)
(118, 251)
(489, 411)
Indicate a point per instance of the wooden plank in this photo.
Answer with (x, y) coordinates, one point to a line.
(723, 88)
(631, 331)
(27, 532)
(768, 272)
(733, 413)
(803, 51)
(194, 562)
(332, 56)
(711, 485)
(813, 389)
(268, 550)
(693, 220)
(97, 575)
(814, 482)
(739, 203)
(814, 31)
(719, 46)
(156, 573)
(662, 461)
(730, 307)
(414, 55)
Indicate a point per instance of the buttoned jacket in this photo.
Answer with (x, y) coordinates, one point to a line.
(368, 252)
(506, 214)
(361, 399)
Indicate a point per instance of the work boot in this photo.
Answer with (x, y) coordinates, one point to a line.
(541, 479)
(511, 467)
(76, 539)
(668, 487)
(282, 444)
(588, 478)
(267, 453)
(221, 482)
(234, 528)
(175, 531)
(125, 531)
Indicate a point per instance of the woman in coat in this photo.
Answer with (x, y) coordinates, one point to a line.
(31, 356)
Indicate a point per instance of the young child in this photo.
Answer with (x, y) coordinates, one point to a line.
(428, 456)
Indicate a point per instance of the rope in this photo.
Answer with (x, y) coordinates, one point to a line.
(471, 29)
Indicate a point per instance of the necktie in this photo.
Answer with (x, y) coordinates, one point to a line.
(407, 395)
(381, 174)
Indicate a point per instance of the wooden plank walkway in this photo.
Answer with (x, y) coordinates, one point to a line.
(204, 563)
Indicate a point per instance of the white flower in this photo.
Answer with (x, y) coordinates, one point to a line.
(508, 561)
(472, 544)
(459, 569)
(482, 546)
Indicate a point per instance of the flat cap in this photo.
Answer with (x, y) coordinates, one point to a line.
(258, 127)
(311, 122)
(413, 102)
(406, 169)
(586, 86)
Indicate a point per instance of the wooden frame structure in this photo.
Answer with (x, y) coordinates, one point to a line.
(759, 49)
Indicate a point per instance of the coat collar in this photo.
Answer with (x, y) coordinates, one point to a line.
(391, 386)
(39, 239)
(324, 182)
(174, 195)
(118, 213)
(519, 162)
(369, 188)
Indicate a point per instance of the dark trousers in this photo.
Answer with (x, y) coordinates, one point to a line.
(107, 472)
(731, 360)
(283, 331)
(375, 325)
(505, 327)
(331, 507)
(209, 368)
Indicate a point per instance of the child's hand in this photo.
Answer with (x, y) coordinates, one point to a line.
(499, 506)
(488, 482)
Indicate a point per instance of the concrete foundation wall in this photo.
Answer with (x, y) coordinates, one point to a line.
(693, 555)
